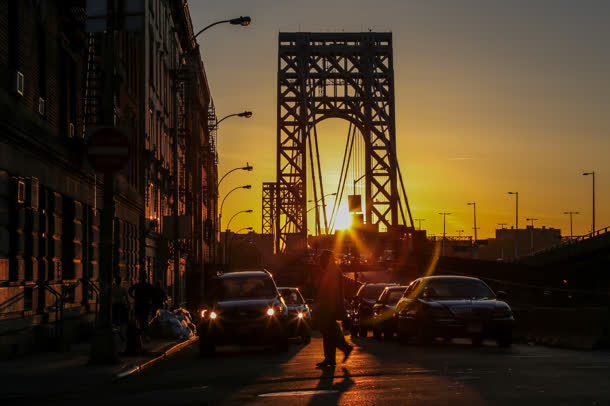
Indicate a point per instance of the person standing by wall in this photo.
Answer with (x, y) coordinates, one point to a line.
(142, 294)
(330, 308)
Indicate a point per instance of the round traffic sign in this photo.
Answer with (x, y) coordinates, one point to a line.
(108, 149)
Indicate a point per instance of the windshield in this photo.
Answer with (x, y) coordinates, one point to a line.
(291, 297)
(372, 292)
(393, 296)
(457, 289)
(246, 288)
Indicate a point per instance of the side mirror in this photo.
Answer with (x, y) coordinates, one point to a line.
(502, 295)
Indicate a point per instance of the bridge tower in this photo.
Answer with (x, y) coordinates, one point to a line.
(344, 75)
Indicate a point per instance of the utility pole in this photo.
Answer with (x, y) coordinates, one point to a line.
(475, 251)
(444, 214)
(103, 346)
(531, 235)
(419, 221)
(516, 223)
(571, 213)
(502, 239)
(593, 221)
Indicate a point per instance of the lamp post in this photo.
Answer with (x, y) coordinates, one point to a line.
(459, 234)
(516, 223)
(571, 213)
(502, 239)
(245, 114)
(592, 173)
(248, 168)
(224, 253)
(316, 206)
(444, 214)
(233, 236)
(531, 234)
(223, 202)
(419, 221)
(243, 21)
(476, 246)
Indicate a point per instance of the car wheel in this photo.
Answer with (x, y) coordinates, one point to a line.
(477, 341)
(377, 334)
(353, 331)
(388, 334)
(505, 340)
(306, 339)
(206, 348)
(363, 332)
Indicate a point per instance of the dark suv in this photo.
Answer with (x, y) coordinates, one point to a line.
(246, 309)
(361, 313)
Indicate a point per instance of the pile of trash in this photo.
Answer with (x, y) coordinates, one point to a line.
(176, 324)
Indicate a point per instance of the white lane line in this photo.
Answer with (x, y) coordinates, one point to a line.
(298, 393)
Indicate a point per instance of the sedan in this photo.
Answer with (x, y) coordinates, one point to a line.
(299, 323)
(384, 311)
(453, 306)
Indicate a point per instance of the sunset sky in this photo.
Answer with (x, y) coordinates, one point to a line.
(491, 97)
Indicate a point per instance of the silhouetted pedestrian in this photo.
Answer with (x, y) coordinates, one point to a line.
(142, 293)
(330, 308)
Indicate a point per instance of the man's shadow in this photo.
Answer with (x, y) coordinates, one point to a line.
(330, 392)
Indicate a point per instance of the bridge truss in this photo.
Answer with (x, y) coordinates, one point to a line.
(343, 75)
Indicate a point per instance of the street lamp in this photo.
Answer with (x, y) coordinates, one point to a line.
(532, 234)
(571, 213)
(233, 236)
(459, 234)
(243, 21)
(225, 198)
(444, 214)
(419, 221)
(502, 239)
(224, 251)
(476, 247)
(248, 168)
(516, 223)
(316, 205)
(593, 223)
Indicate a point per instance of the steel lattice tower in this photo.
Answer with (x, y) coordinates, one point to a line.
(344, 75)
(268, 208)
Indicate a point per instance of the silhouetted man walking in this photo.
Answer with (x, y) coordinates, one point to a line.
(330, 308)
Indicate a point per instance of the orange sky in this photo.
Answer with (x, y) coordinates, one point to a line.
(490, 98)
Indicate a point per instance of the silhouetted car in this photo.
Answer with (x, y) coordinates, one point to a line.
(384, 311)
(453, 306)
(246, 309)
(361, 312)
(299, 323)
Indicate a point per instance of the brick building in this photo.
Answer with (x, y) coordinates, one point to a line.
(51, 78)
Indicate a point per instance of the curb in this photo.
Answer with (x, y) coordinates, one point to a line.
(149, 363)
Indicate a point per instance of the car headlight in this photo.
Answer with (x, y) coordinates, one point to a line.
(502, 312)
(213, 315)
(300, 315)
(270, 312)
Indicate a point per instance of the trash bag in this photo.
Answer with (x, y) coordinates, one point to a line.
(177, 324)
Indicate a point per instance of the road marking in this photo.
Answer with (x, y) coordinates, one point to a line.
(298, 393)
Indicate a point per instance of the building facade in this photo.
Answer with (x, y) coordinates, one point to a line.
(51, 94)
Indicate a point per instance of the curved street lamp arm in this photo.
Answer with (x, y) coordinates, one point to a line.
(227, 195)
(232, 217)
(225, 175)
(209, 26)
(225, 117)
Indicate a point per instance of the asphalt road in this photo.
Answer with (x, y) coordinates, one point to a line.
(378, 373)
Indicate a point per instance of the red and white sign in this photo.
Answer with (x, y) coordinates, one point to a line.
(108, 149)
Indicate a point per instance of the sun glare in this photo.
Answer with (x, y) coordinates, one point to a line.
(344, 219)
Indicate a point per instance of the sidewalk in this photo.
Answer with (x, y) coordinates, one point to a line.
(49, 374)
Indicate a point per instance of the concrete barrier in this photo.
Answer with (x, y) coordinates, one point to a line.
(581, 328)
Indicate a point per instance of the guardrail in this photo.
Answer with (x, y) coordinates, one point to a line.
(574, 240)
